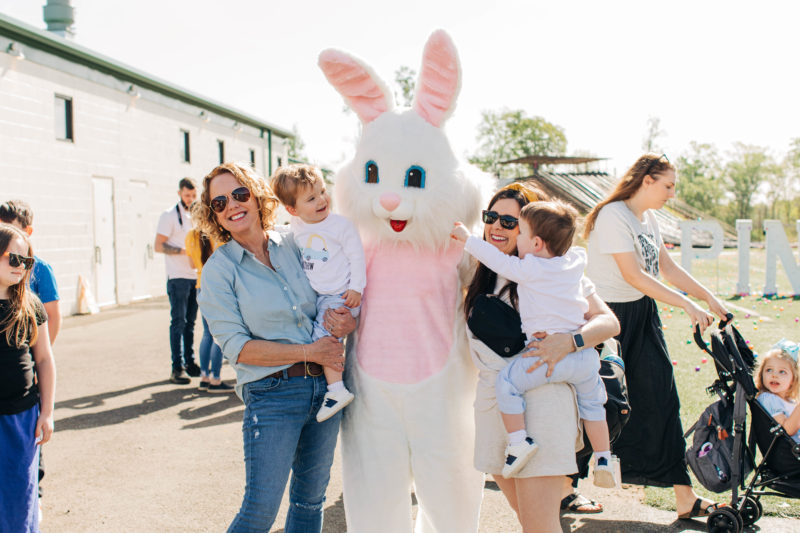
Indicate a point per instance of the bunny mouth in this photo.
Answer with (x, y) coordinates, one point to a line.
(398, 225)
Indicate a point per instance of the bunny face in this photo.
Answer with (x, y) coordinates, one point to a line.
(404, 183)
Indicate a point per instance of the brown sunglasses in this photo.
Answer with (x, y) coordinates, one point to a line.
(219, 203)
(16, 260)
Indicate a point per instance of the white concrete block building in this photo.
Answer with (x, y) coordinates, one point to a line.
(97, 149)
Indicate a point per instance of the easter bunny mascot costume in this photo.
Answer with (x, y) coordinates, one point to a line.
(411, 424)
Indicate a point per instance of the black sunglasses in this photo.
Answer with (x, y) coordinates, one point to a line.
(241, 195)
(506, 221)
(653, 163)
(15, 260)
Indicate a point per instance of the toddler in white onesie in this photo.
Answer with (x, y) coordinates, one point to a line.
(552, 298)
(332, 259)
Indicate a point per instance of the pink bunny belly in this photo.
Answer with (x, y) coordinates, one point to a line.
(406, 328)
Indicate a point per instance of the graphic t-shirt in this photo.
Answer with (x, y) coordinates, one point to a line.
(18, 391)
(617, 230)
(331, 254)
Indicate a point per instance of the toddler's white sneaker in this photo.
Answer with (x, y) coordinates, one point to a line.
(518, 455)
(333, 403)
(604, 474)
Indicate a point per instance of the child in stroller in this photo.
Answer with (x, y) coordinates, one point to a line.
(778, 473)
(778, 385)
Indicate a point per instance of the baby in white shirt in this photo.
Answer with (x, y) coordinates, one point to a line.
(331, 255)
(552, 298)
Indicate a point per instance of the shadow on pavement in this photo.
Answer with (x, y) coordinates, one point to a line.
(596, 525)
(156, 402)
(97, 400)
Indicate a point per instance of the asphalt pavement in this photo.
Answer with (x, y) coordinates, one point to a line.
(134, 453)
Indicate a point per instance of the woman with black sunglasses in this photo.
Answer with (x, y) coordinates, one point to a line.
(534, 492)
(260, 308)
(625, 257)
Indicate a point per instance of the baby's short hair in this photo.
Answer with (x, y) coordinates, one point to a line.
(554, 222)
(287, 181)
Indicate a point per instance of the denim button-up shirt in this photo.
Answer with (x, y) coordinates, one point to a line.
(242, 299)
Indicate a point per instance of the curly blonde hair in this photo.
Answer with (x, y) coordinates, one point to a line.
(777, 353)
(206, 218)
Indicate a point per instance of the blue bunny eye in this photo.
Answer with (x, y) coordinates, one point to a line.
(371, 171)
(415, 177)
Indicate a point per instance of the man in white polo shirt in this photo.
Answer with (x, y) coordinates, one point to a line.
(173, 225)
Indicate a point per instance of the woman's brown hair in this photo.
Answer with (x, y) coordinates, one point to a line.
(265, 199)
(646, 165)
(19, 324)
(485, 279)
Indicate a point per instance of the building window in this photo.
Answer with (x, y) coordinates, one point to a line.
(280, 162)
(221, 146)
(63, 114)
(186, 152)
(252, 158)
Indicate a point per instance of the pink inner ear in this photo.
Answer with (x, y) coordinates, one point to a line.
(357, 83)
(439, 79)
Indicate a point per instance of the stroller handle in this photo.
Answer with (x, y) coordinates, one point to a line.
(698, 337)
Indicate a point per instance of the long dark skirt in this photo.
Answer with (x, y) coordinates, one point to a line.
(651, 446)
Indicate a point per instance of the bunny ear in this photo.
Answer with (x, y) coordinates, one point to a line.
(439, 79)
(363, 91)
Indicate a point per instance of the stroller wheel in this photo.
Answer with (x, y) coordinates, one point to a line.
(751, 510)
(724, 520)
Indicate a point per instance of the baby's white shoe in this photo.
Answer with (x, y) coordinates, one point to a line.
(518, 455)
(334, 402)
(604, 473)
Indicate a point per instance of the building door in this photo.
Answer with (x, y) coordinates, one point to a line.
(142, 241)
(105, 268)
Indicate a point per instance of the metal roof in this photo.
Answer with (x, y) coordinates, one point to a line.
(553, 160)
(48, 42)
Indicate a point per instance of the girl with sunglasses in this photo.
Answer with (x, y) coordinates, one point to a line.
(27, 384)
(626, 255)
(260, 308)
(535, 491)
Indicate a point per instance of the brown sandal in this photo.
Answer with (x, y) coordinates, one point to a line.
(698, 511)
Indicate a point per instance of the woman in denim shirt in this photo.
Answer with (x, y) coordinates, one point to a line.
(260, 309)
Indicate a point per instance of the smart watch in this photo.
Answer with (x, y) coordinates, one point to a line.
(577, 338)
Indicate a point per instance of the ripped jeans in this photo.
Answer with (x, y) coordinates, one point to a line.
(281, 433)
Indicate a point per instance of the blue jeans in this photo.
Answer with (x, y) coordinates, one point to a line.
(210, 354)
(183, 312)
(280, 434)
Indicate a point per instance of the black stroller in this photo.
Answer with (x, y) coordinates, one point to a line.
(778, 473)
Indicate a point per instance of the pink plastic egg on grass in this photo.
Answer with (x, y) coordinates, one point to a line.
(704, 360)
(674, 362)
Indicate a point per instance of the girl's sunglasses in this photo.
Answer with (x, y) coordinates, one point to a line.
(16, 260)
(506, 221)
(241, 195)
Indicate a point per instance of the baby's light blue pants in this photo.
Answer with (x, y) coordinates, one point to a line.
(580, 369)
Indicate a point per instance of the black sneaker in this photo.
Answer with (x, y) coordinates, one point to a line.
(203, 386)
(221, 387)
(193, 370)
(179, 378)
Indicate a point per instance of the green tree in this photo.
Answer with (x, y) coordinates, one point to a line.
(297, 146)
(749, 167)
(700, 177)
(506, 134)
(405, 79)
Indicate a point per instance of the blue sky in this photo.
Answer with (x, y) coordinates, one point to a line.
(712, 71)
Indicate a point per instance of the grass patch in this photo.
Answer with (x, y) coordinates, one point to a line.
(769, 320)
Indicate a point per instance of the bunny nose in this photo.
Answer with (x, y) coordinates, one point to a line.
(390, 201)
